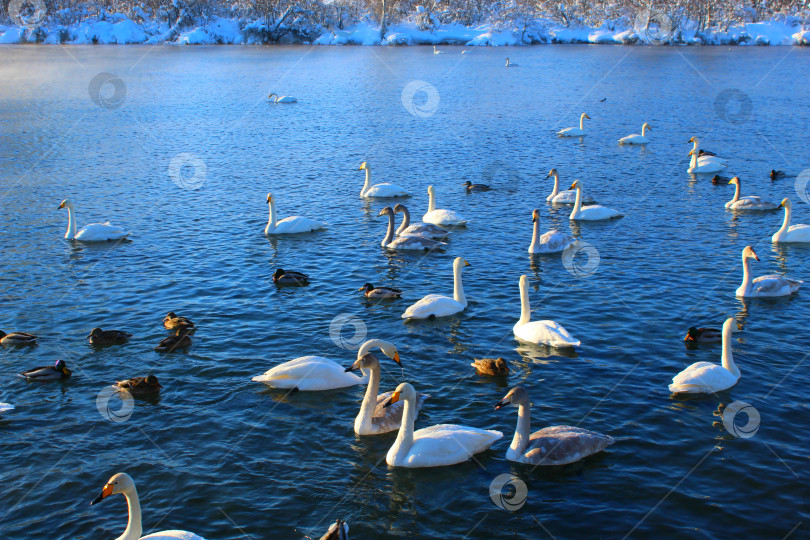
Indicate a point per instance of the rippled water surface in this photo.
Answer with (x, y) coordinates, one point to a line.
(227, 458)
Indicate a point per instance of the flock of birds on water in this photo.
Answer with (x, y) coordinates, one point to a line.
(396, 411)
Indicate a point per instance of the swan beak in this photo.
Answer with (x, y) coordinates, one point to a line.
(269, 200)
(396, 358)
(573, 185)
(501, 404)
(534, 219)
(348, 369)
(467, 264)
(106, 492)
(755, 257)
(393, 399)
(61, 205)
(649, 127)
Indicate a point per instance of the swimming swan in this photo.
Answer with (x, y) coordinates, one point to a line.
(751, 202)
(635, 138)
(417, 229)
(94, 232)
(763, 286)
(703, 166)
(437, 305)
(569, 196)
(124, 484)
(406, 243)
(441, 216)
(282, 99)
(593, 212)
(539, 332)
(706, 377)
(379, 191)
(312, 373)
(289, 225)
(788, 232)
(553, 445)
(549, 242)
(573, 131)
(434, 446)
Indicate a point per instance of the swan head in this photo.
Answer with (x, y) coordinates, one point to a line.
(387, 211)
(585, 115)
(366, 362)
(748, 253)
(646, 125)
(269, 198)
(363, 166)
(735, 181)
(431, 191)
(65, 204)
(388, 349)
(552, 172)
(786, 203)
(516, 396)
(399, 207)
(119, 483)
(693, 140)
(460, 263)
(339, 530)
(403, 392)
(535, 215)
(576, 185)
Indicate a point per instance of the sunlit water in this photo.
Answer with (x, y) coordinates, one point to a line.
(222, 456)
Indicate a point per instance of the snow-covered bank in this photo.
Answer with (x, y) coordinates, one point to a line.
(118, 29)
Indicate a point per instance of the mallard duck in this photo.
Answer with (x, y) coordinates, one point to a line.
(490, 366)
(380, 292)
(475, 187)
(717, 179)
(47, 373)
(339, 530)
(107, 337)
(288, 277)
(140, 385)
(179, 340)
(702, 153)
(17, 338)
(173, 322)
(704, 335)
(776, 174)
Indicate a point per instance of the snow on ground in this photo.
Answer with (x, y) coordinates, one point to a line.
(117, 29)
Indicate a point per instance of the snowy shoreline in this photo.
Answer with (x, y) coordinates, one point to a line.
(118, 29)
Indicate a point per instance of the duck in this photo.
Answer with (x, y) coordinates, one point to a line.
(17, 338)
(290, 278)
(339, 530)
(791, 233)
(547, 332)
(374, 418)
(107, 337)
(751, 202)
(281, 99)
(717, 179)
(289, 225)
(6, 407)
(568, 196)
(122, 483)
(380, 191)
(93, 232)
(510, 64)
(316, 373)
(763, 286)
(434, 446)
(406, 243)
(140, 385)
(593, 212)
(775, 175)
(172, 322)
(417, 229)
(380, 292)
(635, 138)
(490, 366)
(550, 446)
(703, 166)
(552, 241)
(706, 377)
(703, 155)
(437, 305)
(574, 131)
(437, 51)
(180, 340)
(47, 373)
(440, 216)
(703, 335)
(470, 187)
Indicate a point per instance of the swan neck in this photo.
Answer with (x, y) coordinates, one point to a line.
(525, 308)
(747, 280)
(644, 130)
(406, 220)
(556, 185)
(458, 287)
(786, 223)
(582, 122)
(736, 192)
(404, 440)
(367, 185)
(369, 401)
(522, 433)
(134, 528)
(271, 221)
(389, 236)
(431, 201)
(535, 235)
(727, 359)
(577, 203)
(71, 230)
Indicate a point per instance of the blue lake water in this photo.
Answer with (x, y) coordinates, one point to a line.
(225, 457)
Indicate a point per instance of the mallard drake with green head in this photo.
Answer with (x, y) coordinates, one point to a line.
(290, 278)
(703, 335)
(469, 186)
(380, 292)
(47, 373)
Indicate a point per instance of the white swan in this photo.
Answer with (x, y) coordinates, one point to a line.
(6, 407)
(593, 212)
(705, 158)
(703, 166)
(379, 191)
(573, 131)
(437, 51)
(289, 225)
(374, 418)
(406, 243)
(281, 99)
(124, 484)
(539, 332)
(437, 305)
(549, 242)
(441, 216)
(788, 232)
(635, 138)
(312, 373)
(706, 377)
(94, 232)
(417, 229)
(763, 286)
(434, 446)
(510, 64)
(751, 202)
(553, 445)
(569, 196)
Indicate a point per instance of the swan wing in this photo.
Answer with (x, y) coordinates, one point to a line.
(797, 233)
(414, 243)
(387, 419)
(444, 217)
(569, 196)
(433, 304)
(387, 190)
(571, 132)
(297, 224)
(424, 229)
(553, 241)
(448, 444)
(774, 285)
(559, 445)
(753, 202)
(172, 535)
(309, 373)
(545, 333)
(100, 232)
(706, 167)
(701, 378)
(635, 138)
(596, 213)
